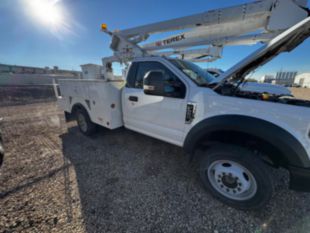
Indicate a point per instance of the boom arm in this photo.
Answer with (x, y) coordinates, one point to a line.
(250, 23)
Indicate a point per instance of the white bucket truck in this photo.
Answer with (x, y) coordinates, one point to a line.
(235, 134)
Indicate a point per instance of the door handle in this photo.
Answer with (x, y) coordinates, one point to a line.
(133, 98)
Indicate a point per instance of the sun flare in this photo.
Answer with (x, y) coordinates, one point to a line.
(46, 11)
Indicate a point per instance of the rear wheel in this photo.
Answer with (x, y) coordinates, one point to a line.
(86, 126)
(236, 176)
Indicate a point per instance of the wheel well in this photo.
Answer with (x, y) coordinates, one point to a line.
(268, 152)
(77, 107)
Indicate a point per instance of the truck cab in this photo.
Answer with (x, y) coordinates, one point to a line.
(158, 109)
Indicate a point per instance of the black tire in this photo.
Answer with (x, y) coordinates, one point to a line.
(85, 124)
(231, 188)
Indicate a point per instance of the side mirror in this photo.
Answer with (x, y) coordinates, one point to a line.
(153, 83)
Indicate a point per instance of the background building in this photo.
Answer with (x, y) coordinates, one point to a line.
(286, 78)
(13, 69)
(267, 78)
(11, 75)
(303, 80)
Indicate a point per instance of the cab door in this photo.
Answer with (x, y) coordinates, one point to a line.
(162, 117)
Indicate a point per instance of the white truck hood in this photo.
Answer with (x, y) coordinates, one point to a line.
(257, 87)
(266, 88)
(285, 42)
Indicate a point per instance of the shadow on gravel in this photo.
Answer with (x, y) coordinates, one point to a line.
(132, 183)
(32, 181)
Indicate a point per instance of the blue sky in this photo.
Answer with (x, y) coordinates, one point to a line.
(25, 40)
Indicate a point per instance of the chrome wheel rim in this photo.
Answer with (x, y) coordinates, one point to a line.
(232, 180)
(82, 122)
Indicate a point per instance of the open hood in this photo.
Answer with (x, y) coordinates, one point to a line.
(273, 89)
(285, 42)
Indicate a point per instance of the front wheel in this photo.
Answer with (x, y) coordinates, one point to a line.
(236, 177)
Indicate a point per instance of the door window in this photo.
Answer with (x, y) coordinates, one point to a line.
(174, 87)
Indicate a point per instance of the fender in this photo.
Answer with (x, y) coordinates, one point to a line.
(77, 106)
(286, 143)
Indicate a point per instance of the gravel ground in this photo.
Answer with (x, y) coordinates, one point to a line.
(56, 180)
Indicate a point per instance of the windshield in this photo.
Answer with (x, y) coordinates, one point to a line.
(194, 72)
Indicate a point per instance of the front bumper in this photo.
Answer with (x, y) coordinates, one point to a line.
(300, 179)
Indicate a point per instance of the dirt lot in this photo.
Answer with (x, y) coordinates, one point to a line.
(56, 180)
(301, 93)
